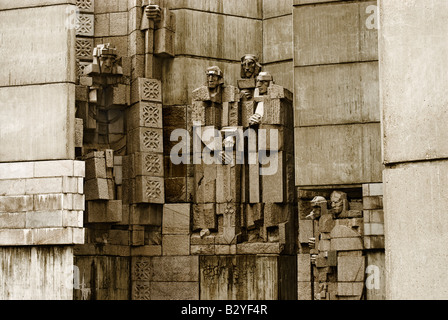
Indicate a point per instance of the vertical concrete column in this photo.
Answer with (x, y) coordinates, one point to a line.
(41, 184)
(413, 77)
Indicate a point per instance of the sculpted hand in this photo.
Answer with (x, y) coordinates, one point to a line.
(255, 119)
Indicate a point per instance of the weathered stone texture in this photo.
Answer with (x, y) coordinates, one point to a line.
(333, 33)
(356, 160)
(36, 273)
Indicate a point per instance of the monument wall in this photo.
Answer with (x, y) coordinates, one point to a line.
(337, 148)
(413, 104)
(41, 183)
(124, 77)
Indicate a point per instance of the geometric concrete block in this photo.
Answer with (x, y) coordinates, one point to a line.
(351, 98)
(12, 220)
(43, 219)
(372, 203)
(278, 39)
(95, 168)
(176, 219)
(175, 245)
(16, 170)
(357, 158)
(343, 232)
(48, 130)
(350, 289)
(145, 114)
(149, 190)
(148, 164)
(16, 203)
(193, 40)
(303, 267)
(149, 90)
(346, 244)
(97, 189)
(146, 140)
(305, 230)
(328, 33)
(51, 40)
(351, 269)
(85, 25)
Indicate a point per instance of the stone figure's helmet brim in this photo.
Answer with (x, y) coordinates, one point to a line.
(214, 71)
(265, 76)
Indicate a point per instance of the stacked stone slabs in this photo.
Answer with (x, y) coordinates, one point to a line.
(41, 203)
(85, 30)
(146, 143)
(337, 127)
(41, 197)
(413, 100)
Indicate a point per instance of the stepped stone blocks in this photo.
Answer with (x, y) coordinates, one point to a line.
(145, 129)
(337, 239)
(221, 229)
(42, 203)
(173, 277)
(85, 30)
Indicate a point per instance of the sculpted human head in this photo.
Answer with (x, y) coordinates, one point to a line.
(264, 80)
(214, 77)
(250, 68)
(338, 201)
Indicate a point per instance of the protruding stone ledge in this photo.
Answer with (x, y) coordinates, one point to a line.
(43, 236)
(42, 203)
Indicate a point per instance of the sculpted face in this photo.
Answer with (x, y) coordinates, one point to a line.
(248, 66)
(213, 81)
(107, 64)
(262, 86)
(337, 201)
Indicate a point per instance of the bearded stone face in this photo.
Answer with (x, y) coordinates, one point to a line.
(248, 67)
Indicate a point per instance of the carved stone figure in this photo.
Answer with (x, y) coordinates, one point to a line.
(334, 233)
(215, 115)
(215, 80)
(105, 61)
(250, 68)
(263, 82)
(339, 203)
(319, 205)
(153, 11)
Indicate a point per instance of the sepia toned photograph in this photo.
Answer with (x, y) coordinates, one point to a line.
(223, 150)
